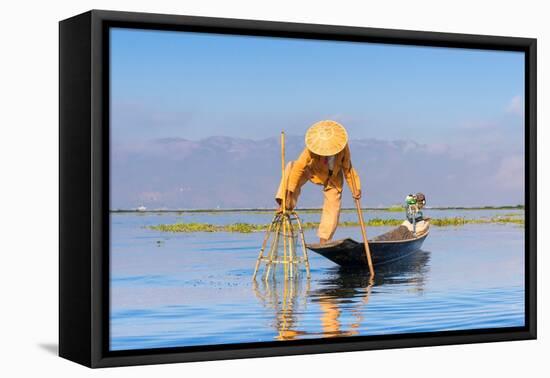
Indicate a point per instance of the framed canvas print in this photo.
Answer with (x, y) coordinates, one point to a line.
(236, 188)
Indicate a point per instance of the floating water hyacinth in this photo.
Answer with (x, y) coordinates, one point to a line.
(374, 222)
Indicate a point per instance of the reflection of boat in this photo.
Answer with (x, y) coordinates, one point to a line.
(342, 295)
(341, 281)
(346, 292)
(349, 253)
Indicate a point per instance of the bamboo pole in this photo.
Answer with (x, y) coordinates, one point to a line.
(264, 244)
(283, 170)
(362, 223)
(273, 250)
(303, 241)
(285, 267)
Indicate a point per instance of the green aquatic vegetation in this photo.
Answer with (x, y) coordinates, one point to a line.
(395, 208)
(448, 221)
(460, 221)
(378, 222)
(186, 227)
(512, 215)
(504, 219)
(207, 227)
(244, 227)
(249, 227)
(501, 219)
(374, 222)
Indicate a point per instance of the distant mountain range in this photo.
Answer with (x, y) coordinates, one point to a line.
(226, 172)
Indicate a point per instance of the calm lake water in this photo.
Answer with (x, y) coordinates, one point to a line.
(187, 289)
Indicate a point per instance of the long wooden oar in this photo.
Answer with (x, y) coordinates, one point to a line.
(362, 223)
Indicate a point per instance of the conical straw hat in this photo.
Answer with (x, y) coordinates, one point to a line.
(326, 138)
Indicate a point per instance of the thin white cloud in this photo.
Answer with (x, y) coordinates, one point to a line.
(480, 124)
(510, 173)
(516, 106)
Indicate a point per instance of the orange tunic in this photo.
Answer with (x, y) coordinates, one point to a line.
(319, 171)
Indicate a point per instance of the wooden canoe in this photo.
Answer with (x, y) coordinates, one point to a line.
(351, 254)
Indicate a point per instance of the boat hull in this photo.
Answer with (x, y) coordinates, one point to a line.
(351, 254)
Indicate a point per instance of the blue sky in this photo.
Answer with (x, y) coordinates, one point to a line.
(194, 86)
(211, 84)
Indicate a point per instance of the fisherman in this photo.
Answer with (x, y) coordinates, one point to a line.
(325, 161)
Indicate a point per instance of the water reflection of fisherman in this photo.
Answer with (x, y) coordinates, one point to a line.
(331, 323)
(325, 161)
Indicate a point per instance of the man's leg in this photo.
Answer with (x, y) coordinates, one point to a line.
(330, 215)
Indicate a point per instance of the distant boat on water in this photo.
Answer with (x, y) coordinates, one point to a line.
(141, 208)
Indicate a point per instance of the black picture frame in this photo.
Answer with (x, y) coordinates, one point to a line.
(84, 187)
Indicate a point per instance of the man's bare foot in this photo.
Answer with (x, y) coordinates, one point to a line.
(322, 241)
